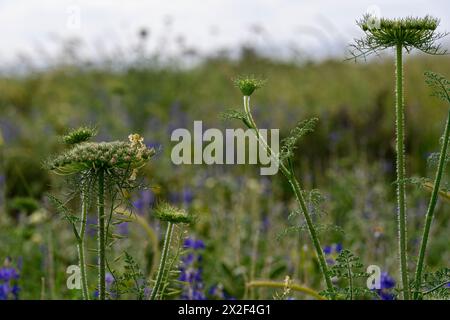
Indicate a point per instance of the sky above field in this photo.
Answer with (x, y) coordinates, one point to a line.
(279, 27)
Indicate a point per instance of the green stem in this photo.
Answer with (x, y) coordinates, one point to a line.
(295, 185)
(101, 236)
(81, 252)
(350, 279)
(431, 207)
(400, 149)
(162, 264)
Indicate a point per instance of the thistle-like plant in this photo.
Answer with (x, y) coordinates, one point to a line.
(408, 33)
(247, 86)
(173, 216)
(103, 166)
(441, 89)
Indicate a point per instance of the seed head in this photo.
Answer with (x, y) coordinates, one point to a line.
(248, 84)
(106, 155)
(79, 135)
(167, 212)
(410, 33)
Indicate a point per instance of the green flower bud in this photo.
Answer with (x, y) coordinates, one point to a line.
(248, 84)
(167, 212)
(79, 135)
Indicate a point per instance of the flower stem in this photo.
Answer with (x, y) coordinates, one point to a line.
(101, 235)
(400, 150)
(80, 245)
(295, 185)
(431, 207)
(162, 264)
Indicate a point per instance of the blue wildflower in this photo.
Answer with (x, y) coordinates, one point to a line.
(144, 201)
(387, 283)
(191, 243)
(191, 271)
(9, 276)
(331, 251)
(327, 250)
(122, 228)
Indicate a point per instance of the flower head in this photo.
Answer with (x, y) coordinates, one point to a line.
(410, 33)
(9, 276)
(106, 155)
(248, 84)
(79, 135)
(191, 271)
(167, 212)
(387, 284)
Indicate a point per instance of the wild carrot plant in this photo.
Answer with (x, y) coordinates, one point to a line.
(247, 85)
(400, 34)
(441, 89)
(173, 216)
(104, 168)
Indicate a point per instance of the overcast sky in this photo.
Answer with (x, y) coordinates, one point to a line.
(320, 26)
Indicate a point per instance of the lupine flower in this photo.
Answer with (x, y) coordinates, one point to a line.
(186, 196)
(387, 283)
(217, 292)
(144, 201)
(122, 228)
(191, 271)
(191, 243)
(331, 251)
(9, 277)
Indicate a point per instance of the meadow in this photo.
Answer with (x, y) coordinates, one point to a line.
(245, 238)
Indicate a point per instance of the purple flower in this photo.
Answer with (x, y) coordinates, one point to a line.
(187, 196)
(9, 277)
(327, 250)
(8, 274)
(191, 243)
(123, 228)
(387, 283)
(191, 271)
(144, 201)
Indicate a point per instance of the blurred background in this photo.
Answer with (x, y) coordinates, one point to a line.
(154, 66)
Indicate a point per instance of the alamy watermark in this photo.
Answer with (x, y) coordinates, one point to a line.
(235, 146)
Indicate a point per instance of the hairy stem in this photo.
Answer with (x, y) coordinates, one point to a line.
(295, 185)
(312, 231)
(162, 264)
(431, 207)
(80, 245)
(350, 279)
(101, 236)
(400, 150)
